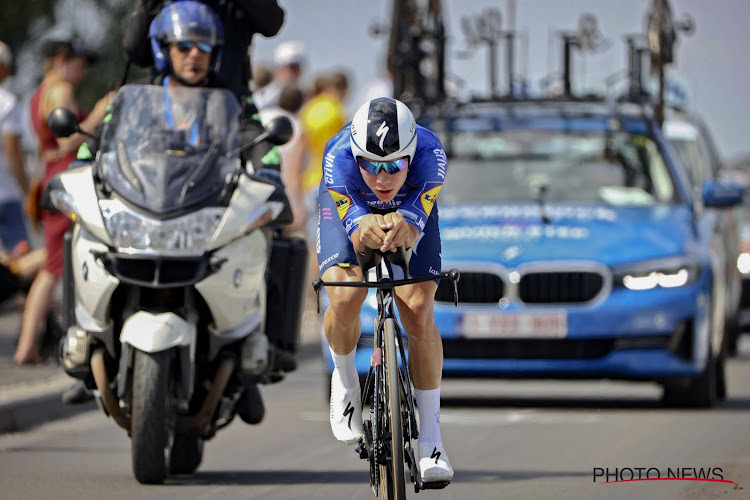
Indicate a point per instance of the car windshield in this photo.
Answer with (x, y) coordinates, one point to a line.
(165, 148)
(617, 168)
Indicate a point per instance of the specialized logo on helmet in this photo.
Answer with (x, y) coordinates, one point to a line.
(382, 127)
(381, 132)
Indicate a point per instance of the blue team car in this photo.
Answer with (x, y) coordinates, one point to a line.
(583, 250)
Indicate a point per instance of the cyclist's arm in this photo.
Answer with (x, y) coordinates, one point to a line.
(426, 175)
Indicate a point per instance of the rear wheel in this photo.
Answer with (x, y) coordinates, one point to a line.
(393, 473)
(152, 423)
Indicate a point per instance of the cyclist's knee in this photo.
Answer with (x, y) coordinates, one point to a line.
(418, 307)
(345, 298)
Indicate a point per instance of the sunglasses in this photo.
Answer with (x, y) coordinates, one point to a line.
(390, 167)
(186, 46)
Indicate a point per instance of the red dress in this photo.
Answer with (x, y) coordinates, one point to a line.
(54, 224)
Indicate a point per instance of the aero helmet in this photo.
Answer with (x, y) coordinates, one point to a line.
(383, 129)
(185, 20)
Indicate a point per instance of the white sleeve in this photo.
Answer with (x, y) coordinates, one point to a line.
(10, 119)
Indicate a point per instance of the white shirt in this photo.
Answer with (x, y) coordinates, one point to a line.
(10, 124)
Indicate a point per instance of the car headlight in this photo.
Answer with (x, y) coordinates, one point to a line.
(664, 273)
(743, 263)
(132, 232)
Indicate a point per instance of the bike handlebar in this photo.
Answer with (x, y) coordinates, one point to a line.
(371, 258)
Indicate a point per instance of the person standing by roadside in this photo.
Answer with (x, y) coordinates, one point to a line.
(289, 60)
(65, 66)
(13, 182)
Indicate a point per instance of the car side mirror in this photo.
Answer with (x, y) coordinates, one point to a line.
(62, 122)
(722, 194)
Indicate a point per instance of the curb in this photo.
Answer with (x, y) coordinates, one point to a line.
(26, 406)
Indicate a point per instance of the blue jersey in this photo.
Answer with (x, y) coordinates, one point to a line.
(354, 199)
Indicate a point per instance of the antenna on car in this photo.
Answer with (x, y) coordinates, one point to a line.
(586, 37)
(661, 30)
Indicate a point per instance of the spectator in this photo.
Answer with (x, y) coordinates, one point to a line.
(322, 117)
(65, 66)
(289, 61)
(13, 182)
(293, 153)
(262, 76)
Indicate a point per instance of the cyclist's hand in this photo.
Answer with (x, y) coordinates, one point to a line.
(399, 232)
(371, 231)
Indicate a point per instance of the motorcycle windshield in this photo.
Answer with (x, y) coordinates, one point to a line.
(167, 148)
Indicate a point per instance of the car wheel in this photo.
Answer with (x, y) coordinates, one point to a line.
(700, 392)
(732, 336)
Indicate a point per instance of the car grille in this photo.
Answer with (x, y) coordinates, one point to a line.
(745, 304)
(473, 288)
(527, 348)
(560, 287)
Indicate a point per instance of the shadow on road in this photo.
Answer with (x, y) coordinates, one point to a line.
(286, 476)
(271, 477)
(639, 404)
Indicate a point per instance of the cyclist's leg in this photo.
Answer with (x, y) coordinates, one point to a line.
(416, 309)
(337, 262)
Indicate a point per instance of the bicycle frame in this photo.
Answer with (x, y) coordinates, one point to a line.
(372, 446)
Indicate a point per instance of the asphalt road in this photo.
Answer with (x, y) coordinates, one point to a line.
(506, 439)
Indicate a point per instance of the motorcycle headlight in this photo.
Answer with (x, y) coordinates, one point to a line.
(664, 273)
(65, 203)
(132, 232)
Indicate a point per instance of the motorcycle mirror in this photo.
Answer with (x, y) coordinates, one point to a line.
(279, 130)
(62, 122)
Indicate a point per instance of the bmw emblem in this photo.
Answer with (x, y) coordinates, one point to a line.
(85, 271)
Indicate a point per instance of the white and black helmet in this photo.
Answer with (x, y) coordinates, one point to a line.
(383, 129)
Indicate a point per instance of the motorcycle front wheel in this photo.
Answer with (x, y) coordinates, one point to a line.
(152, 426)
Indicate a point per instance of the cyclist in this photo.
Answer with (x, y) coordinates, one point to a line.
(382, 174)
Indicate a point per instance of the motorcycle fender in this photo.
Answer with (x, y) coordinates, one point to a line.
(150, 332)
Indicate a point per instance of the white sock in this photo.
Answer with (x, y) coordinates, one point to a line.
(344, 366)
(428, 404)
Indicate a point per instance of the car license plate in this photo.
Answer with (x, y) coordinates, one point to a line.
(515, 325)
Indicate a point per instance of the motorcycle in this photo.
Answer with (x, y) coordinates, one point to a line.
(166, 269)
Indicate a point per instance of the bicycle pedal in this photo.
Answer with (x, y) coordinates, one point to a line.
(435, 485)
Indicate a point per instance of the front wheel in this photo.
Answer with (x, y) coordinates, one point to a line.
(152, 416)
(392, 481)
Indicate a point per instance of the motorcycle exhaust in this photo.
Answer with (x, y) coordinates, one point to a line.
(190, 425)
(109, 401)
(196, 424)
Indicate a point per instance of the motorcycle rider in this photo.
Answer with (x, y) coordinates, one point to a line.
(382, 174)
(187, 44)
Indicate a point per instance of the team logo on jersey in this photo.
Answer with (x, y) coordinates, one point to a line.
(343, 201)
(428, 198)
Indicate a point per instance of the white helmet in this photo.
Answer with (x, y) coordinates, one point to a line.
(383, 129)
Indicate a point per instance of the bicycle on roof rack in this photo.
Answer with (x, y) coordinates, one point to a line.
(392, 422)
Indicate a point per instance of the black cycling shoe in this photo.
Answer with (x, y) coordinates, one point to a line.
(284, 361)
(250, 406)
(77, 393)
